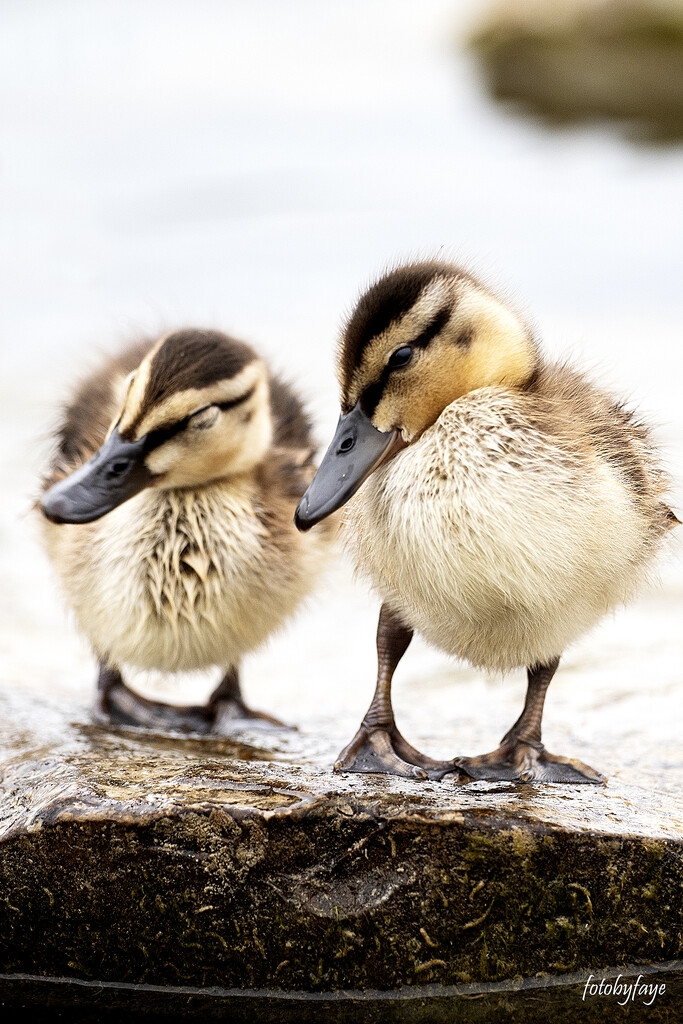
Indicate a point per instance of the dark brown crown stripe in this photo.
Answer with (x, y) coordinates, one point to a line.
(385, 302)
(194, 359)
(190, 359)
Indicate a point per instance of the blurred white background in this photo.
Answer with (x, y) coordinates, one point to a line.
(251, 165)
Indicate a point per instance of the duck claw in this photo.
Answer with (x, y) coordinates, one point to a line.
(527, 762)
(385, 751)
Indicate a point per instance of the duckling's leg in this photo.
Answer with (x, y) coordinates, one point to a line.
(521, 755)
(124, 707)
(226, 701)
(378, 746)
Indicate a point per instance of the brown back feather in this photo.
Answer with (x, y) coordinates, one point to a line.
(613, 432)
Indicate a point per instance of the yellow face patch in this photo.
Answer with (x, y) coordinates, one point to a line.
(480, 344)
(181, 404)
(376, 355)
(232, 443)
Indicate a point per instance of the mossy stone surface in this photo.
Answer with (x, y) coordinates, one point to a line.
(213, 873)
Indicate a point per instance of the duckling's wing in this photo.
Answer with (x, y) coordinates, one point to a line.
(292, 425)
(88, 414)
(614, 432)
(630, 446)
(293, 442)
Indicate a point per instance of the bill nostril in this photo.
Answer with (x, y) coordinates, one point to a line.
(347, 444)
(118, 468)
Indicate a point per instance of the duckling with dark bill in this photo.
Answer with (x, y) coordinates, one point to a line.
(499, 503)
(167, 514)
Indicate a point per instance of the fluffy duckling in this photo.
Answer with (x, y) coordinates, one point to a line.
(506, 503)
(168, 516)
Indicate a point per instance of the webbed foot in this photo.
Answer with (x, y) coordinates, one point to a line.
(233, 709)
(527, 761)
(226, 704)
(386, 751)
(121, 706)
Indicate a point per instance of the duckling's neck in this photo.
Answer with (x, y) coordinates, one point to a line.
(209, 469)
(533, 382)
(529, 378)
(233, 486)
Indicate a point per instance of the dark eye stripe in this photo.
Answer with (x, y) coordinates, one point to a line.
(163, 434)
(372, 395)
(370, 398)
(432, 329)
(231, 403)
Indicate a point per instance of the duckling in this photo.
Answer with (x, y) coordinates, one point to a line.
(167, 513)
(500, 504)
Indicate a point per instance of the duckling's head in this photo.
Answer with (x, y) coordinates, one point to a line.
(196, 409)
(421, 337)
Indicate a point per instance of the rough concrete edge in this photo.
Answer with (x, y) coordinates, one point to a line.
(307, 805)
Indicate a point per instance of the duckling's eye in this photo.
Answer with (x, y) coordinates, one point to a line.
(204, 418)
(401, 357)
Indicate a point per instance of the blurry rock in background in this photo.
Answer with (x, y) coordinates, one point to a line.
(583, 60)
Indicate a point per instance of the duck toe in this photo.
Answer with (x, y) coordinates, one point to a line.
(527, 762)
(542, 766)
(386, 751)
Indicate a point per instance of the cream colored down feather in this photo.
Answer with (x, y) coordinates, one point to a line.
(179, 580)
(202, 567)
(494, 544)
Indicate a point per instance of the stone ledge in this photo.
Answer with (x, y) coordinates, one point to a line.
(129, 860)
